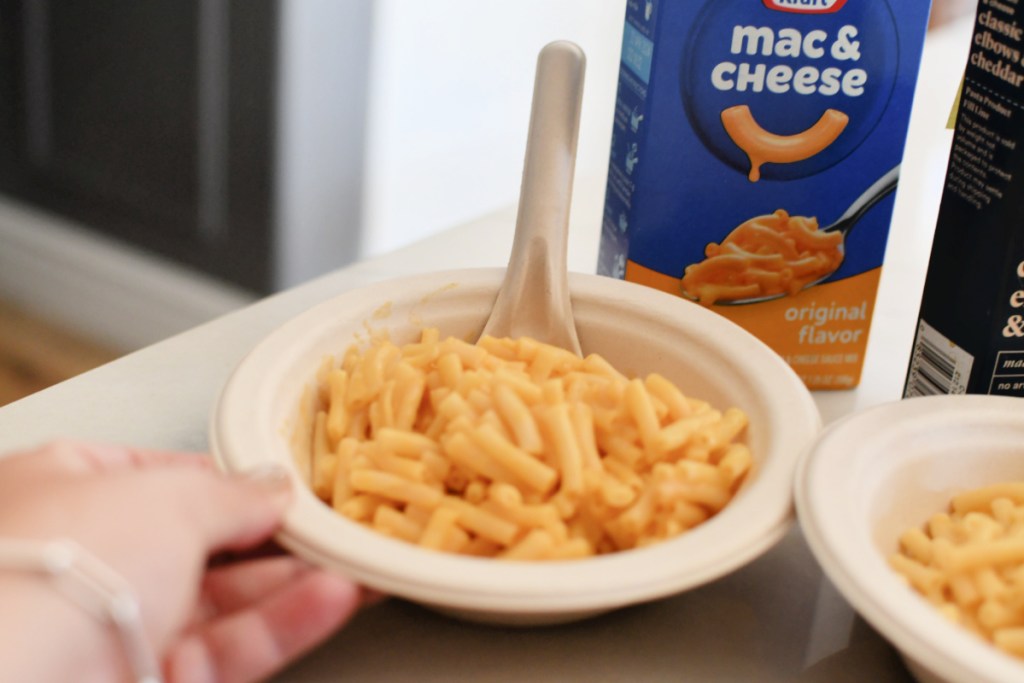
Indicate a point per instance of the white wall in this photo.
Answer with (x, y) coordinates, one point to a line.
(323, 71)
(398, 118)
(450, 89)
(100, 287)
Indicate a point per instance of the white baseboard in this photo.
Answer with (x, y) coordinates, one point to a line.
(115, 294)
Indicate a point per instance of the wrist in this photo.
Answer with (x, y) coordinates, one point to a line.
(82, 618)
(45, 636)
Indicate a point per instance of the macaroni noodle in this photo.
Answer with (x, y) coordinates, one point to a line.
(765, 256)
(515, 449)
(969, 563)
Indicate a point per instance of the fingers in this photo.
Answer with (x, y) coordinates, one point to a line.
(238, 512)
(256, 641)
(233, 587)
(73, 457)
(106, 457)
(229, 512)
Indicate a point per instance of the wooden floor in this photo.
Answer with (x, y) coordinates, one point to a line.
(35, 354)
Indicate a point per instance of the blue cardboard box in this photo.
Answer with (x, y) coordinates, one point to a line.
(743, 130)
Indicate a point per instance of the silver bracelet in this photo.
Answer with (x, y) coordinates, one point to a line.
(94, 586)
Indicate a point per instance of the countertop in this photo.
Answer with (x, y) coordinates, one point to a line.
(777, 619)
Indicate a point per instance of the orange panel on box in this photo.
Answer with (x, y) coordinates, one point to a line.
(822, 332)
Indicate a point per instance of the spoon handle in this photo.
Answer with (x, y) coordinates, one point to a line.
(534, 296)
(871, 196)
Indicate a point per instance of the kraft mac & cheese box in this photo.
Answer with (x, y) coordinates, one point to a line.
(970, 332)
(755, 148)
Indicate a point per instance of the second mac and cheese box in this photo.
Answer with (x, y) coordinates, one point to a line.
(755, 148)
(970, 331)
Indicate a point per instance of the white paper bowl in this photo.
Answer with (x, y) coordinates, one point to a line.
(636, 328)
(875, 474)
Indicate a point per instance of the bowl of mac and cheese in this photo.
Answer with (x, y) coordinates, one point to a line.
(915, 510)
(510, 481)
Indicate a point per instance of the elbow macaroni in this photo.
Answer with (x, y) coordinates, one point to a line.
(515, 449)
(762, 147)
(765, 256)
(969, 563)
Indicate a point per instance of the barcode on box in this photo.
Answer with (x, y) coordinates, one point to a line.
(937, 365)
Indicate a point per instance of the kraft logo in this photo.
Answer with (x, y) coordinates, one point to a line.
(805, 6)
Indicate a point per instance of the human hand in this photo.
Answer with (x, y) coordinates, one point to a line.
(156, 518)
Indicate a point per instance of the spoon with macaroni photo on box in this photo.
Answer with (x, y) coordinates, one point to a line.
(769, 257)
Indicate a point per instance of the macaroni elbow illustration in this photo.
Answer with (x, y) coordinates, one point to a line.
(763, 147)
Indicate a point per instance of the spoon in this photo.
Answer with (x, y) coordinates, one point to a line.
(871, 196)
(533, 300)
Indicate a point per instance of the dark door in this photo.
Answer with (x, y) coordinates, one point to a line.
(148, 120)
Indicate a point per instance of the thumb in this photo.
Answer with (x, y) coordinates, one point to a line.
(243, 510)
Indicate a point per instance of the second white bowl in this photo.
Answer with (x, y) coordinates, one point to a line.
(877, 473)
